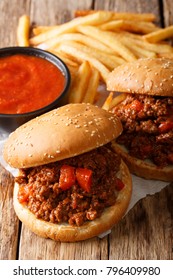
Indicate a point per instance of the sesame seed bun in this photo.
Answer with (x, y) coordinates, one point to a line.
(153, 76)
(63, 231)
(144, 168)
(59, 134)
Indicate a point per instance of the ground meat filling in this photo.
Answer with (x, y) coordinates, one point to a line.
(74, 205)
(148, 127)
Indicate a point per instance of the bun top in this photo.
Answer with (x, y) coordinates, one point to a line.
(153, 76)
(61, 133)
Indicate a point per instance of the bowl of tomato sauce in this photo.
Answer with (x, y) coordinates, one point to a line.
(32, 82)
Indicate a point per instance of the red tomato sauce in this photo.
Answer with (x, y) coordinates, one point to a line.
(28, 83)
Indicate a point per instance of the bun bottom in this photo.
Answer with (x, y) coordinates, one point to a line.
(64, 232)
(144, 169)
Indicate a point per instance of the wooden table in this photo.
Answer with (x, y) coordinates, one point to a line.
(146, 232)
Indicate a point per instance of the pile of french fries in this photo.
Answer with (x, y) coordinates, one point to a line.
(94, 43)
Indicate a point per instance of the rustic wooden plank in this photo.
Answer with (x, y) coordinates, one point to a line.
(47, 12)
(9, 223)
(148, 6)
(168, 12)
(40, 248)
(10, 12)
(146, 233)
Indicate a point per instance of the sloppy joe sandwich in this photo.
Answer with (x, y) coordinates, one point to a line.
(146, 112)
(71, 185)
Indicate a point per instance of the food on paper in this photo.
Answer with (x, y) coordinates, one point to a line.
(71, 185)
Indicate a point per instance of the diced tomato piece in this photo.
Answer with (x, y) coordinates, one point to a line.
(67, 177)
(136, 105)
(166, 126)
(23, 194)
(119, 184)
(83, 176)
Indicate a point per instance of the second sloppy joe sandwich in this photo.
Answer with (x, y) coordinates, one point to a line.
(146, 113)
(71, 184)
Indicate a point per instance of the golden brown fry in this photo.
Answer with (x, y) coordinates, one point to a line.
(108, 101)
(141, 27)
(111, 25)
(88, 41)
(93, 19)
(108, 39)
(117, 99)
(23, 29)
(82, 13)
(117, 15)
(139, 41)
(41, 29)
(137, 50)
(134, 16)
(82, 56)
(80, 83)
(64, 57)
(159, 35)
(110, 61)
(91, 91)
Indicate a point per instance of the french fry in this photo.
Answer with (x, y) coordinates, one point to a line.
(110, 61)
(82, 56)
(65, 58)
(157, 47)
(117, 99)
(137, 50)
(91, 91)
(159, 35)
(23, 29)
(80, 83)
(134, 16)
(111, 25)
(106, 104)
(116, 15)
(92, 19)
(141, 27)
(88, 41)
(41, 29)
(109, 40)
(82, 13)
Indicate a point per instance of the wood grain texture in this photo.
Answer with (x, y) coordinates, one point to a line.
(9, 223)
(168, 12)
(146, 232)
(146, 6)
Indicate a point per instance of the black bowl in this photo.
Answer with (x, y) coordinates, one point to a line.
(9, 122)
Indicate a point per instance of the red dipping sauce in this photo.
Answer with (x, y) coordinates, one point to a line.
(28, 83)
